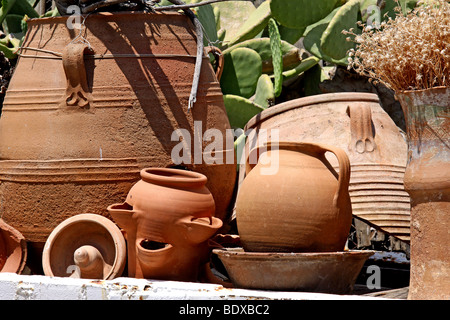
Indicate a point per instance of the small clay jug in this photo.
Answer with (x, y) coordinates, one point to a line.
(168, 217)
(292, 200)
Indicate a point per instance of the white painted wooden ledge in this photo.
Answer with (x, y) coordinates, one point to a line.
(36, 287)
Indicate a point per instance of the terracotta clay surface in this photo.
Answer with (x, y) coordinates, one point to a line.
(427, 180)
(81, 120)
(326, 272)
(302, 206)
(356, 123)
(168, 216)
(13, 249)
(87, 246)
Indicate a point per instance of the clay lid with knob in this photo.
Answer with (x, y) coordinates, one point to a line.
(86, 246)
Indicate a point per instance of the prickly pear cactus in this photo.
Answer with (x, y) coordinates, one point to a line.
(301, 13)
(264, 95)
(333, 42)
(240, 110)
(242, 69)
(277, 56)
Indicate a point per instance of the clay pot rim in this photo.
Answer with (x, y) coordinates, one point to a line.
(439, 88)
(239, 253)
(104, 14)
(173, 177)
(115, 233)
(310, 100)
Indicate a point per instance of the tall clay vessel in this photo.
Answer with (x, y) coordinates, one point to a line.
(356, 123)
(427, 180)
(291, 200)
(82, 116)
(168, 217)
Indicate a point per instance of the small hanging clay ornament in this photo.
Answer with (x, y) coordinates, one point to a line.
(13, 249)
(168, 217)
(87, 246)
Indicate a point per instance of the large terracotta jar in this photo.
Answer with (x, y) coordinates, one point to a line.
(356, 123)
(291, 200)
(86, 111)
(427, 180)
(168, 216)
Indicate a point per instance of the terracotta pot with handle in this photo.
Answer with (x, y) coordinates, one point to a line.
(292, 200)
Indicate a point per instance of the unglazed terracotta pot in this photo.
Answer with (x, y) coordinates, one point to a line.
(356, 123)
(326, 272)
(79, 122)
(293, 201)
(427, 180)
(13, 249)
(87, 246)
(168, 216)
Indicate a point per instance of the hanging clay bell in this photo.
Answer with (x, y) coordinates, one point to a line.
(87, 246)
(13, 249)
(168, 217)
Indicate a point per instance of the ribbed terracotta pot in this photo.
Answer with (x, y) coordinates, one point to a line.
(81, 120)
(13, 249)
(291, 200)
(168, 216)
(427, 180)
(87, 246)
(356, 123)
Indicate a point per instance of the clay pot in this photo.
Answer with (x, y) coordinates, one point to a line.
(293, 201)
(13, 249)
(76, 139)
(356, 123)
(427, 180)
(87, 246)
(325, 272)
(168, 216)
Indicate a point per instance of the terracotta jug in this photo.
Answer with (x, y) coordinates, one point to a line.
(376, 147)
(292, 200)
(427, 180)
(87, 246)
(83, 115)
(168, 216)
(13, 249)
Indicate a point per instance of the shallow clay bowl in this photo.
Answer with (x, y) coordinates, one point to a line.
(325, 272)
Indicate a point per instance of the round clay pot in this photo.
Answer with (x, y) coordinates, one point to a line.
(292, 200)
(427, 180)
(76, 139)
(13, 249)
(86, 246)
(168, 216)
(356, 123)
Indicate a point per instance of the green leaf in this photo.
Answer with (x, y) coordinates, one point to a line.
(255, 23)
(240, 110)
(264, 91)
(301, 13)
(302, 67)
(333, 42)
(291, 35)
(10, 53)
(277, 56)
(207, 18)
(241, 71)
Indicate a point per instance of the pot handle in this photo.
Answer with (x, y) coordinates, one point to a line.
(361, 128)
(77, 90)
(320, 149)
(219, 59)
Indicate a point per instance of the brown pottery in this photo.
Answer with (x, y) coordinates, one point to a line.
(292, 200)
(356, 123)
(427, 180)
(168, 216)
(13, 249)
(325, 272)
(87, 109)
(87, 246)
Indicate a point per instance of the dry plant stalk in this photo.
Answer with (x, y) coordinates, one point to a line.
(410, 52)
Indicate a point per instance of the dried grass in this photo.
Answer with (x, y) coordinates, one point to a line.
(410, 52)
